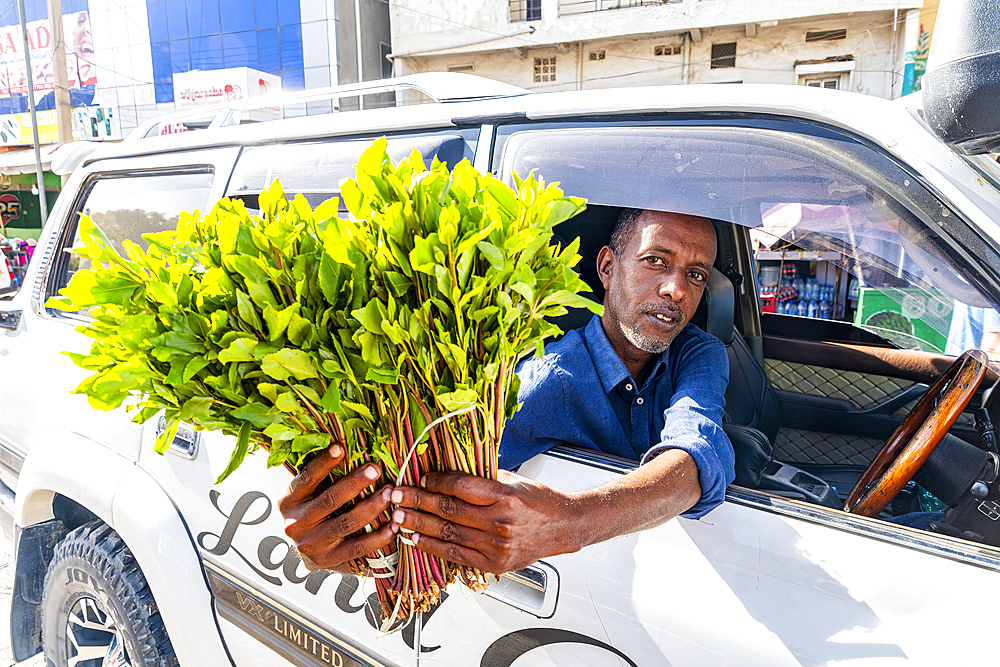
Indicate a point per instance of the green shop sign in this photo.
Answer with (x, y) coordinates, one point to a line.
(19, 211)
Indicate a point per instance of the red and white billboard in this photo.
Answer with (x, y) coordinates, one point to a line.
(79, 55)
(203, 87)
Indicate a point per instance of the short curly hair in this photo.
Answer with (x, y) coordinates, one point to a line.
(623, 230)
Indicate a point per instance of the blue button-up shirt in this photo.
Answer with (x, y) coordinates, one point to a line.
(582, 394)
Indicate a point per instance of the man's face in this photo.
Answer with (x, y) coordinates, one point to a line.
(654, 288)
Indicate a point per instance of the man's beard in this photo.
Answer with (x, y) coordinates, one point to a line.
(634, 335)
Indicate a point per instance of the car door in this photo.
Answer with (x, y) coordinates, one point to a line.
(762, 579)
(126, 197)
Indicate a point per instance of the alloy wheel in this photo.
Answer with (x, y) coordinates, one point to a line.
(92, 637)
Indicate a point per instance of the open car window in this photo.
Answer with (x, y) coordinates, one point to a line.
(815, 194)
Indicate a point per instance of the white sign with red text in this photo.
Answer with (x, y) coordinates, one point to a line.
(197, 88)
(79, 55)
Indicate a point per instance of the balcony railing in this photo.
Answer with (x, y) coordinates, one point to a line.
(573, 7)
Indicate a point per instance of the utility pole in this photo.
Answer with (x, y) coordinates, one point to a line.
(357, 32)
(43, 207)
(64, 107)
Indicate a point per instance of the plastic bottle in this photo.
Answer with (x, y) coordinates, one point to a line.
(802, 310)
(824, 310)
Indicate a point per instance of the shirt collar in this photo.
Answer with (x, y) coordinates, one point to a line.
(610, 368)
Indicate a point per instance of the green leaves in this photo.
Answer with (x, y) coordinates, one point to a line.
(239, 453)
(287, 363)
(296, 328)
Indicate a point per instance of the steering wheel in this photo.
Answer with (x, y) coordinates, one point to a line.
(913, 441)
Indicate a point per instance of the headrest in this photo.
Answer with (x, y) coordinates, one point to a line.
(717, 311)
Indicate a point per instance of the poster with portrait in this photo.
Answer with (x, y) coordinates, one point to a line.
(79, 55)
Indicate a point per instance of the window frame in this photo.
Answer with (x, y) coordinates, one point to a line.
(60, 258)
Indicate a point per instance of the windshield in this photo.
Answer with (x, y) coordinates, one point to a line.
(839, 231)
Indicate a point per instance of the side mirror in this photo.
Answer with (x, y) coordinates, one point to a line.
(961, 89)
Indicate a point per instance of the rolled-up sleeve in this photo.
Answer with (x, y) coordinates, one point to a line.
(693, 421)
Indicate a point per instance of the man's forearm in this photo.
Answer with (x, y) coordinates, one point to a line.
(648, 496)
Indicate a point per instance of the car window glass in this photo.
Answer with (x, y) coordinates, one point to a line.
(128, 207)
(317, 169)
(830, 201)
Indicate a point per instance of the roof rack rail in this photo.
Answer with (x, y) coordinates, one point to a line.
(439, 86)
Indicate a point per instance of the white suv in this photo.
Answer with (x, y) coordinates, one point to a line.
(126, 557)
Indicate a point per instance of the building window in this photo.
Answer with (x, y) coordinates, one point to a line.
(469, 67)
(723, 55)
(545, 69)
(525, 10)
(597, 55)
(830, 84)
(826, 35)
(667, 50)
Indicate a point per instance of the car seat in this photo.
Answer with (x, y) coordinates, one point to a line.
(751, 413)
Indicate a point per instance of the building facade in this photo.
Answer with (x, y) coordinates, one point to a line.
(553, 45)
(123, 56)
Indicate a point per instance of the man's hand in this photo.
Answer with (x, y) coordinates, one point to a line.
(493, 526)
(324, 540)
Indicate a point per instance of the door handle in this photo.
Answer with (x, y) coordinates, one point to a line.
(9, 319)
(535, 589)
(185, 442)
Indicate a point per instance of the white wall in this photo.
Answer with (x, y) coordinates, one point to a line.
(419, 26)
(768, 57)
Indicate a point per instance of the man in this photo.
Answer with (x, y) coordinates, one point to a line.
(636, 382)
(974, 328)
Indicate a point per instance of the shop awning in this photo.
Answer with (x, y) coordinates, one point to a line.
(22, 160)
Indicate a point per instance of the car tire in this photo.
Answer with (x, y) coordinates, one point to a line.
(97, 607)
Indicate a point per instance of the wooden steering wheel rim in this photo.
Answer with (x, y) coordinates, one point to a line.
(915, 439)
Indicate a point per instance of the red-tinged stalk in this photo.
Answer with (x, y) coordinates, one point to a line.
(418, 562)
(436, 571)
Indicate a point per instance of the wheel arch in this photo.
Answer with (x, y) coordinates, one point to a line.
(61, 486)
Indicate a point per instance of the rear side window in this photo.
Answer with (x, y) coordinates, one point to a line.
(126, 207)
(317, 169)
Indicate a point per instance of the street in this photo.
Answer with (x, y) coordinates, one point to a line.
(6, 585)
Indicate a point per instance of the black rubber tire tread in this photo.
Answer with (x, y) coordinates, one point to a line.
(99, 545)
